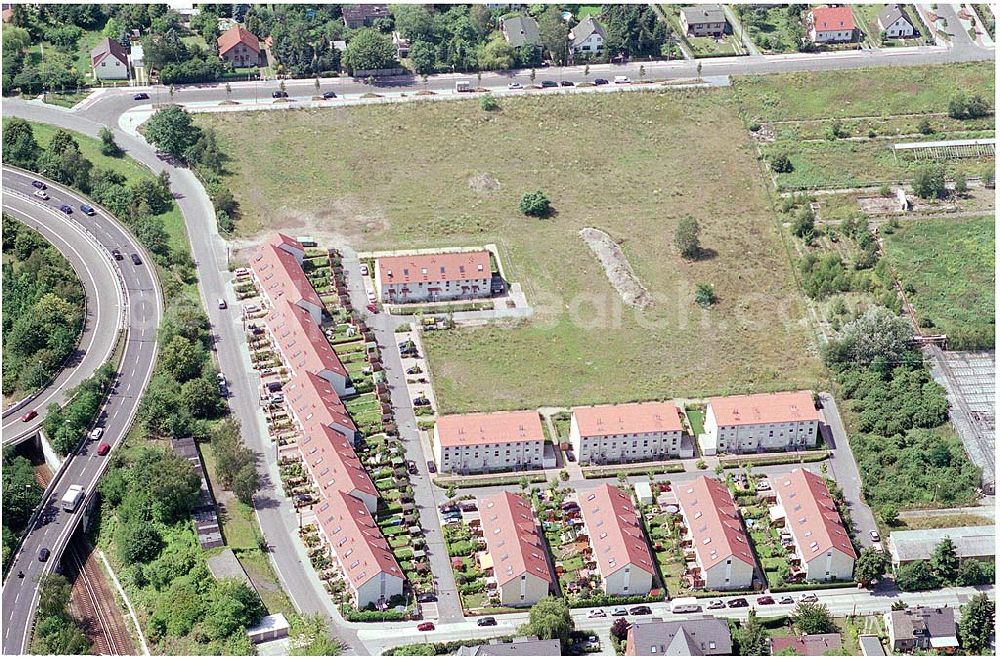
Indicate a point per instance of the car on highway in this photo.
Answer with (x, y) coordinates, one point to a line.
(42, 194)
(738, 603)
(141, 96)
(640, 611)
(787, 599)
(96, 433)
(66, 208)
(567, 83)
(874, 536)
(808, 597)
(87, 209)
(222, 303)
(619, 612)
(597, 613)
(39, 185)
(329, 95)
(514, 85)
(425, 627)
(716, 604)
(600, 81)
(765, 600)
(103, 448)
(488, 621)
(29, 415)
(431, 467)
(43, 554)
(279, 94)
(135, 258)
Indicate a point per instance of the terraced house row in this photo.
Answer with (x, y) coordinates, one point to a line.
(327, 435)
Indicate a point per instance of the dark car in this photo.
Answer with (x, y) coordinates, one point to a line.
(600, 81)
(738, 603)
(66, 208)
(141, 96)
(39, 185)
(765, 600)
(488, 621)
(43, 554)
(427, 597)
(329, 95)
(640, 611)
(567, 83)
(431, 467)
(571, 456)
(117, 253)
(135, 259)
(411, 467)
(549, 83)
(86, 209)
(421, 401)
(279, 94)
(29, 415)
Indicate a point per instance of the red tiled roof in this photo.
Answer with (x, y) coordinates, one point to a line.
(764, 408)
(492, 428)
(512, 538)
(811, 515)
(235, 35)
(632, 418)
(807, 645)
(300, 340)
(281, 239)
(106, 47)
(313, 401)
(281, 277)
(713, 521)
(615, 534)
(332, 462)
(832, 18)
(355, 537)
(450, 266)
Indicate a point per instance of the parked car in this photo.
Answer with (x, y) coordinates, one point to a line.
(423, 598)
(488, 621)
(567, 83)
(765, 600)
(43, 554)
(372, 308)
(371, 297)
(570, 456)
(39, 184)
(242, 272)
(808, 597)
(763, 486)
(600, 81)
(787, 599)
(420, 401)
(622, 80)
(597, 613)
(425, 627)
(738, 603)
(570, 505)
(411, 467)
(364, 269)
(141, 96)
(29, 415)
(431, 467)
(549, 83)
(42, 194)
(329, 95)
(87, 209)
(66, 208)
(103, 448)
(117, 253)
(640, 611)
(279, 94)
(619, 612)
(135, 258)
(468, 507)
(96, 433)
(874, 536)
(514, 85)
(716, 604)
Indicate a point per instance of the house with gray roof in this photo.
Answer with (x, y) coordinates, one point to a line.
(587, 38)
(895, 23)
(521, 31)
(109, 61)
(702, 636)
(871, 645)
(526, 646)
(979, 542)
(704, 21)
(922, 628)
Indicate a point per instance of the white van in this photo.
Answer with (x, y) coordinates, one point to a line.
(622, 80)
(463, 86)
(685, 605)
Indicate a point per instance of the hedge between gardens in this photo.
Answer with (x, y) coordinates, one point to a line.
(614, 600)
(445, 482)
(604, 471)
(777, 459)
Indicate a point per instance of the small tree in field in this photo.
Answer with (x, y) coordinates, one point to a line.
(781, 163)
(686, 238)
(535, 204)
(704, 296)
(488, 103)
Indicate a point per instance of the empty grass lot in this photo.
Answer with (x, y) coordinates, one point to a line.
(869, 92)
(630, 164)
(950, 265)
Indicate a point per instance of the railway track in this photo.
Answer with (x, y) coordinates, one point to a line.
(95, 601)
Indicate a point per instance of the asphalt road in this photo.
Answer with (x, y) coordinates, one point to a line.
(143, 311)
(104, 309)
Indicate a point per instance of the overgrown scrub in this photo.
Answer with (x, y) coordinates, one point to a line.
(66, 426)
(56, 632)
(21, 495)
(43, 305)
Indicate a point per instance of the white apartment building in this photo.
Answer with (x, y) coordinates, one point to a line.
(480, 443)
(635, 432)
(433, 277)
(761, 422)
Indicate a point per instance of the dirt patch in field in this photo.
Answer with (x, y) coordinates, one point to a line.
(617, 268)
(484, 183)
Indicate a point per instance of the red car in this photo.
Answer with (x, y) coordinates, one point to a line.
(103, 448)
(425, 627)
(29, 415)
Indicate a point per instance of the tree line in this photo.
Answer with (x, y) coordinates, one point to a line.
(43, 306)
(21, 495)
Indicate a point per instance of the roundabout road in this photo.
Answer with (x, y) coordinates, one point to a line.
(142, 311)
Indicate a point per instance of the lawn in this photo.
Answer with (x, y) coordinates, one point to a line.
(239, 525)
(869, 92)
(66, 99)
(400, 178)
(772, 29)
(696, 418)
(45, 52)
(949, 264)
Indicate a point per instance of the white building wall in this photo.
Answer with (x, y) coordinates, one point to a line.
(482, 458)
(831, 36)
(901, 28)
(111, 68)
(627, 447)
(789, 436)
(735, 575)
(433, 291)
(523, 591)
(638, 580)
(381, 587)
(832, 564)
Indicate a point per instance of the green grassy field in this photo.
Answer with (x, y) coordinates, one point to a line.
(870, 92)
(950, 265)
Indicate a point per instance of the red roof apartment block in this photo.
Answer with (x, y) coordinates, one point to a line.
(279, 276)
(237, 35)
(515, 548)
(312, 401)
(832, 19)
(618, 542)
(629, 419)
(303, 346)
(764, 408)
(716, 534)
(335, 467)
(448, 266)
(364, 556)
(811, 517)
(491, 428)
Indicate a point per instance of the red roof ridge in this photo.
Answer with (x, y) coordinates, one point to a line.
(235, 35)
(615, 534)
(811, 514)
(512, 538)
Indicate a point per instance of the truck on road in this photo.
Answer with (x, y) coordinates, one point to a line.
(71, 500)
(463, 86)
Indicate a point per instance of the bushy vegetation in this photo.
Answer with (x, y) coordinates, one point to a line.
(43, 305)
(535, 204)
(56, 632)
(236, 464)
(944, 568)
(66, 426)
(21, 495)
